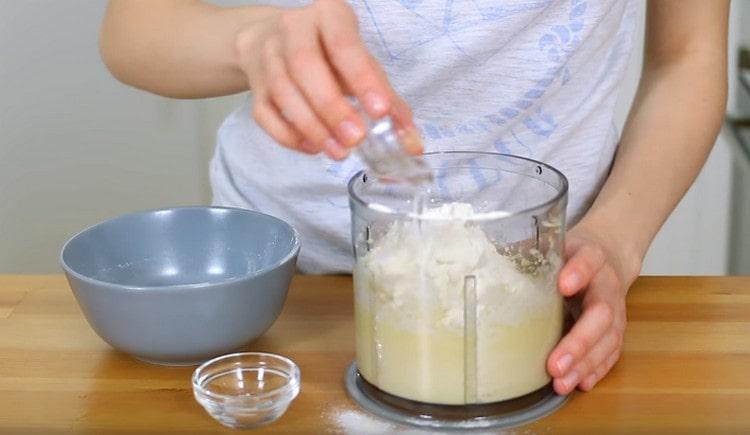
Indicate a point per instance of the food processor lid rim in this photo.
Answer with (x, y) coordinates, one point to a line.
(494, 215)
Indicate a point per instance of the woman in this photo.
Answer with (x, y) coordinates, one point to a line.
(533, 78)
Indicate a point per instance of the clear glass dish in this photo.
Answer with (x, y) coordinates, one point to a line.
(246, 390)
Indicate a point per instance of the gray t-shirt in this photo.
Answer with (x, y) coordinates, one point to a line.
(535, 78)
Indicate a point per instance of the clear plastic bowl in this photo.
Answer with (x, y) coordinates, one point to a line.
(246, 390)
(458, 279)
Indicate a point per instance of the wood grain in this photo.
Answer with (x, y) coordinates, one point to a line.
(685, 368)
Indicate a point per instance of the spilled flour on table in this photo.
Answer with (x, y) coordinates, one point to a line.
(355, 422)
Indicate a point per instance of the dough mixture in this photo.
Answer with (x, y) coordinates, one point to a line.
(412, 337)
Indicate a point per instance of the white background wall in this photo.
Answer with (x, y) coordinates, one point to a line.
(77, 147)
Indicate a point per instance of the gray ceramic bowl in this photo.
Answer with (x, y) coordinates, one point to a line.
(181, 285)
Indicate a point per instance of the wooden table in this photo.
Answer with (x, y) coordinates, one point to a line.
(685, 369)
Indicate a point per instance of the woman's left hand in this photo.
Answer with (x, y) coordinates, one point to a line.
(595, 273)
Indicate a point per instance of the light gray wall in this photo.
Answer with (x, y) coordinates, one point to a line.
(739, 262)
(76, 146)
(740, 107)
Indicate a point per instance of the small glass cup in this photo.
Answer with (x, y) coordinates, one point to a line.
(246, 390)
(384, 155)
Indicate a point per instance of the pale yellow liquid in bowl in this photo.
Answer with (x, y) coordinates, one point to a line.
(429, 366)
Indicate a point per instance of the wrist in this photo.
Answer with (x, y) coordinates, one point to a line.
(256, 24)
(620, 245)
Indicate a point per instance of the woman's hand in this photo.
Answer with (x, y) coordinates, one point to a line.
(658, 157)
(300, 65)
(600, 278)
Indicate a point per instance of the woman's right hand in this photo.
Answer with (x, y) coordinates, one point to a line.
(300, 65)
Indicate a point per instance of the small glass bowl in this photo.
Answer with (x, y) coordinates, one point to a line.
(246, 390)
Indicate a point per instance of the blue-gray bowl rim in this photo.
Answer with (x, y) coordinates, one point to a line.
(292, 253)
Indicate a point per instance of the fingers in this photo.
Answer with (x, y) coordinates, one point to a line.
(591, 367)
(281, 131)
(267, 116)
(601, 370)
(580, 269)
(593, 345)
(301, 69)
(411, 141)
(284, 94)
(309, 70)
(408, 134)
(358, 70)
(568, 362)
(585, 354)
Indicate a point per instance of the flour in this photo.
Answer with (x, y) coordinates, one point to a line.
(356, 422)
(427, 262)
(353, 422)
